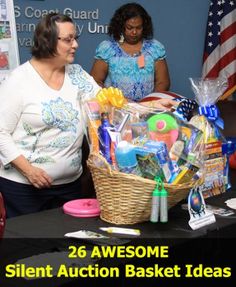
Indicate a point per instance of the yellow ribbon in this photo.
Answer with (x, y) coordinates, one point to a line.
(113, 96)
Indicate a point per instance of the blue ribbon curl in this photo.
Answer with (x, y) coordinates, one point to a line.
(212, 113)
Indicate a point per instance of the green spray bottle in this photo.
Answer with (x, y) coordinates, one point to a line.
(155, 203)
(163, 204)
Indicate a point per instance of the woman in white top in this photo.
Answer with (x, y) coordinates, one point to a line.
(41, 124)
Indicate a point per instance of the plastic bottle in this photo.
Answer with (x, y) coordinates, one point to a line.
(94, 123)
(126, 158)
(155, 205)
(104, 137)
(163, 205)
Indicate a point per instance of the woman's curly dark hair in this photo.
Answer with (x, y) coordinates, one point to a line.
(126, 12)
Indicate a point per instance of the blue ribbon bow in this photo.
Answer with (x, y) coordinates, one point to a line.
(212, 113)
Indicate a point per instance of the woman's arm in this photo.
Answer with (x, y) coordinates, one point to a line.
(99, 71)
(11, 109)
(162, 78)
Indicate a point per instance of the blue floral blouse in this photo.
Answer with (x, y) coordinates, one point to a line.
(124, 72)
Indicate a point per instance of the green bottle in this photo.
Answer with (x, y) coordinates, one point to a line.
(155, 205)
(163, 205)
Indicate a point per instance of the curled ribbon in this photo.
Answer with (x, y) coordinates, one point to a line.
(102, 97)
(111, 95)
(212, 113)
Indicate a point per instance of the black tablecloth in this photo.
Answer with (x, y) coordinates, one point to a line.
(54, 223)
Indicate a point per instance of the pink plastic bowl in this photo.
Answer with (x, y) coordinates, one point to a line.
(82, 207)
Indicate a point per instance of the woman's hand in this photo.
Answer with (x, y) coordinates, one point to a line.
(35, 175)
(38, 177)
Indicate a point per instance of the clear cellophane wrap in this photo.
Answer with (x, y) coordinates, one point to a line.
(150, 131)
(207, 92)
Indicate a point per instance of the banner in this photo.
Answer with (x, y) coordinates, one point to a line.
(9, 54)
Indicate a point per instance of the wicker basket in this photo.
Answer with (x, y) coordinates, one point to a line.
(126, 198)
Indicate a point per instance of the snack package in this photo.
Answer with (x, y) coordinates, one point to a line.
(207, 92)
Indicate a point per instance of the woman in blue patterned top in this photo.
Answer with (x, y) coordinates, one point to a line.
(132, 60)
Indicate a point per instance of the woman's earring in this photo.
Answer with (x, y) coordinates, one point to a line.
(122, 39)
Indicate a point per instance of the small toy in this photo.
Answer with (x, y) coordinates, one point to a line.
(163, 127)
(199, 215)
(197, 205)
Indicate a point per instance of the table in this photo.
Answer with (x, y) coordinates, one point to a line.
(54, 224)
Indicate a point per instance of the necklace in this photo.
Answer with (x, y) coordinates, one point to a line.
(136, 54)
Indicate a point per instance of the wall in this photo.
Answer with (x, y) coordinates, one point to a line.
(179, 25)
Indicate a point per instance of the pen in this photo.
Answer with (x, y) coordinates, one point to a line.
(129, 231)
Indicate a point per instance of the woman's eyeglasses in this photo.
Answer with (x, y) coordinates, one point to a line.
(68, 40)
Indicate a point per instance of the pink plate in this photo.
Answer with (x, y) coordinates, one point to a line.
(88, 207)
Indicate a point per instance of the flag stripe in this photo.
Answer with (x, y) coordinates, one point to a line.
(229, 70)
(232, 78)
(228, 60)
(227, 20)
(219, 57)
(229, 91)
(222, 63)
(214, 57)
(227, 32)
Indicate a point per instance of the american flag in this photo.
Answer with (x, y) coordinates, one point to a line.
(220, 44)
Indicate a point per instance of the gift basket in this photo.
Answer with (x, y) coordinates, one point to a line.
(126, 198)
(131, 145)
(207, 92)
